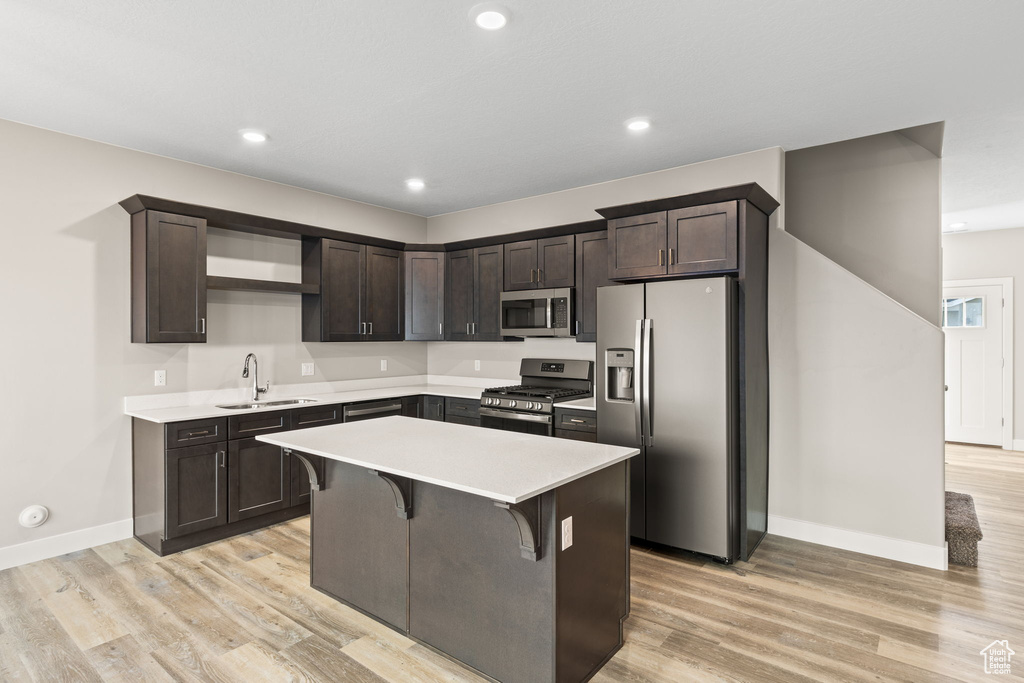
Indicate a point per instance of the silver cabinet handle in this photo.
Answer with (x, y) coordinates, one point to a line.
(371, 327)
(467, 328)
(670, 256)
(223, 463)
(532, 274)
(474, 328)
(202, 321)
(440, 329)
(540, 275)
(661, 257)
(638, 380)
(577, 327)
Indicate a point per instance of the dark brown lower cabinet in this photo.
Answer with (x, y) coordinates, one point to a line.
(203, 480)
(198, 486)
(462, 411)
(433, 408)
(579, 425)
(259, 479)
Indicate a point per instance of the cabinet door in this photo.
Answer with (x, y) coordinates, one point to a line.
(591, 273)
(460, 306)
(412, 406)
(433, 408)
(521, 265)
(385, 295)
(702, 239)
(342, 276)
(556, 262)
(197, 489)
(637, 246)
(168, 278)
(424, 295)
(488, 281)
(300, 478)
(259, 479)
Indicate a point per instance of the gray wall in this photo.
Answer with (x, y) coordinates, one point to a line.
(68, 361)
(994, 253)
(872, 205)
(857, 412)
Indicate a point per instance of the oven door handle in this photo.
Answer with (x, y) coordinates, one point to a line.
(524, 417)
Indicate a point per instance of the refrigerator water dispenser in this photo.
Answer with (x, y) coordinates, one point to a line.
(619, 373)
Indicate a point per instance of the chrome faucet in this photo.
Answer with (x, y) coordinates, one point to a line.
(256, 388)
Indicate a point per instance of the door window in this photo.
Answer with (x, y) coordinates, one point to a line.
(963, 312)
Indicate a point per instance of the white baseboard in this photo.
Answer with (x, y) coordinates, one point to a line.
(52, 546)
(1018, 444)
(912, 552)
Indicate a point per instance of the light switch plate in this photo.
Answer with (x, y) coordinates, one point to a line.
(307, 369)
(476, 365)
(567, 533)
(159, 378)
(383, 364)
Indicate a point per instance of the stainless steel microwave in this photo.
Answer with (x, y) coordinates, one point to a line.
(537, 313)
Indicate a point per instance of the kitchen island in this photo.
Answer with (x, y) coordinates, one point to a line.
(453, 535)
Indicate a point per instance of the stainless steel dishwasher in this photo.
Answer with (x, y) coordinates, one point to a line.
(372, 409)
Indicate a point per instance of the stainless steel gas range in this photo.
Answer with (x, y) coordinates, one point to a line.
(529, 406)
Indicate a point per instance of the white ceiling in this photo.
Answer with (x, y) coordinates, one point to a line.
(359, 95)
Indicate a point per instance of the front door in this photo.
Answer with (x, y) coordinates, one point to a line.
(972, 318)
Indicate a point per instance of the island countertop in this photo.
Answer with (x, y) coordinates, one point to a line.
(505, 466)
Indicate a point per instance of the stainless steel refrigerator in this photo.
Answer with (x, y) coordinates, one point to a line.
(668, 383)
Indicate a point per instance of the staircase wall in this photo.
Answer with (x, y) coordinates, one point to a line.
(873, 205)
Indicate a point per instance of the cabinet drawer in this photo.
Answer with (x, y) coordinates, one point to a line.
(576, 420)
(195, 432)
(316, 416)
(461, 407)
(251, 424)
(576, 436)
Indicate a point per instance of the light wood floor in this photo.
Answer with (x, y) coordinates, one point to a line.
(242, 610)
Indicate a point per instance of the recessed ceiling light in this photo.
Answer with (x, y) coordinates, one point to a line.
(638, 124)
(254, 135)
(957, 226)
(415, 184)
(489, 16)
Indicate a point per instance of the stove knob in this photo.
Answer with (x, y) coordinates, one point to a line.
(511, 404)
(529, 406)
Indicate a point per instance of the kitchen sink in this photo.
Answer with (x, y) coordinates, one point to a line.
(267, 404)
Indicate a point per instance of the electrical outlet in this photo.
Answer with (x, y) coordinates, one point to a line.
(476, 365)
(383, 364)
(307, 369)
(566, 533)
(159, 378)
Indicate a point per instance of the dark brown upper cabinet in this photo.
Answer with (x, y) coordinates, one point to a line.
(685, 241)
(473, 294)
(168, 278)
(361, 292)
(702, 239)
(540, 264)
(591, 273)
(424, 295)
(637, 246)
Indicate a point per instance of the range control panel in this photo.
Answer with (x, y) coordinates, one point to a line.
(552, 367)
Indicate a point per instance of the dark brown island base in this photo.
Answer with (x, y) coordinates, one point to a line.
(508, 552)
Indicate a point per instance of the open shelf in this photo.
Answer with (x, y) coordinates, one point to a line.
(246, 285)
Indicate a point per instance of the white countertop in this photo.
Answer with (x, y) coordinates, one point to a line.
(505, 466)
(199, 412)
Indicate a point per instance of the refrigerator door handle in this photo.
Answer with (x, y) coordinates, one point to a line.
(648, 378)
(638, 380)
